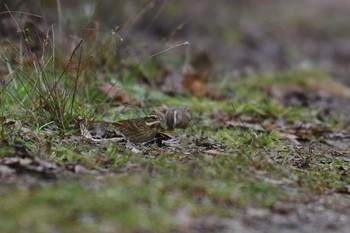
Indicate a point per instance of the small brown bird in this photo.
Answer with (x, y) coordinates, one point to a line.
(139, 130)
(178, 117)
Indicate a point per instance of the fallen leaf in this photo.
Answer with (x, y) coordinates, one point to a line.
(83, 130)
(118, 95)
(197, 84)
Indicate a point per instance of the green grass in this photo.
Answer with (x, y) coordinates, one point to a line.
(215, 170)
(144, 198)
(146, 192)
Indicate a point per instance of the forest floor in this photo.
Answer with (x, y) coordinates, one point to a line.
(267, 150)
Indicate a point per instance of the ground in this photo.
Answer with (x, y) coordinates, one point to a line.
(267, 85)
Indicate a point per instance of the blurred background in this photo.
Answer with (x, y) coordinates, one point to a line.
(238, 37)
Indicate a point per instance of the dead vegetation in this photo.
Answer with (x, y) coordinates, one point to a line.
(263, 144)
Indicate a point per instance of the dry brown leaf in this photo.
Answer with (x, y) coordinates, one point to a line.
(83, 130)
(197, 84)
(308, 129)
(118, 95)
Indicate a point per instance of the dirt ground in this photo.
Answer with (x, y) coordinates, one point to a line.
(249, 37)
(242, 38)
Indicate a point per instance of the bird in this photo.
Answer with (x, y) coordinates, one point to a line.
(178, 117)
(139, 130)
